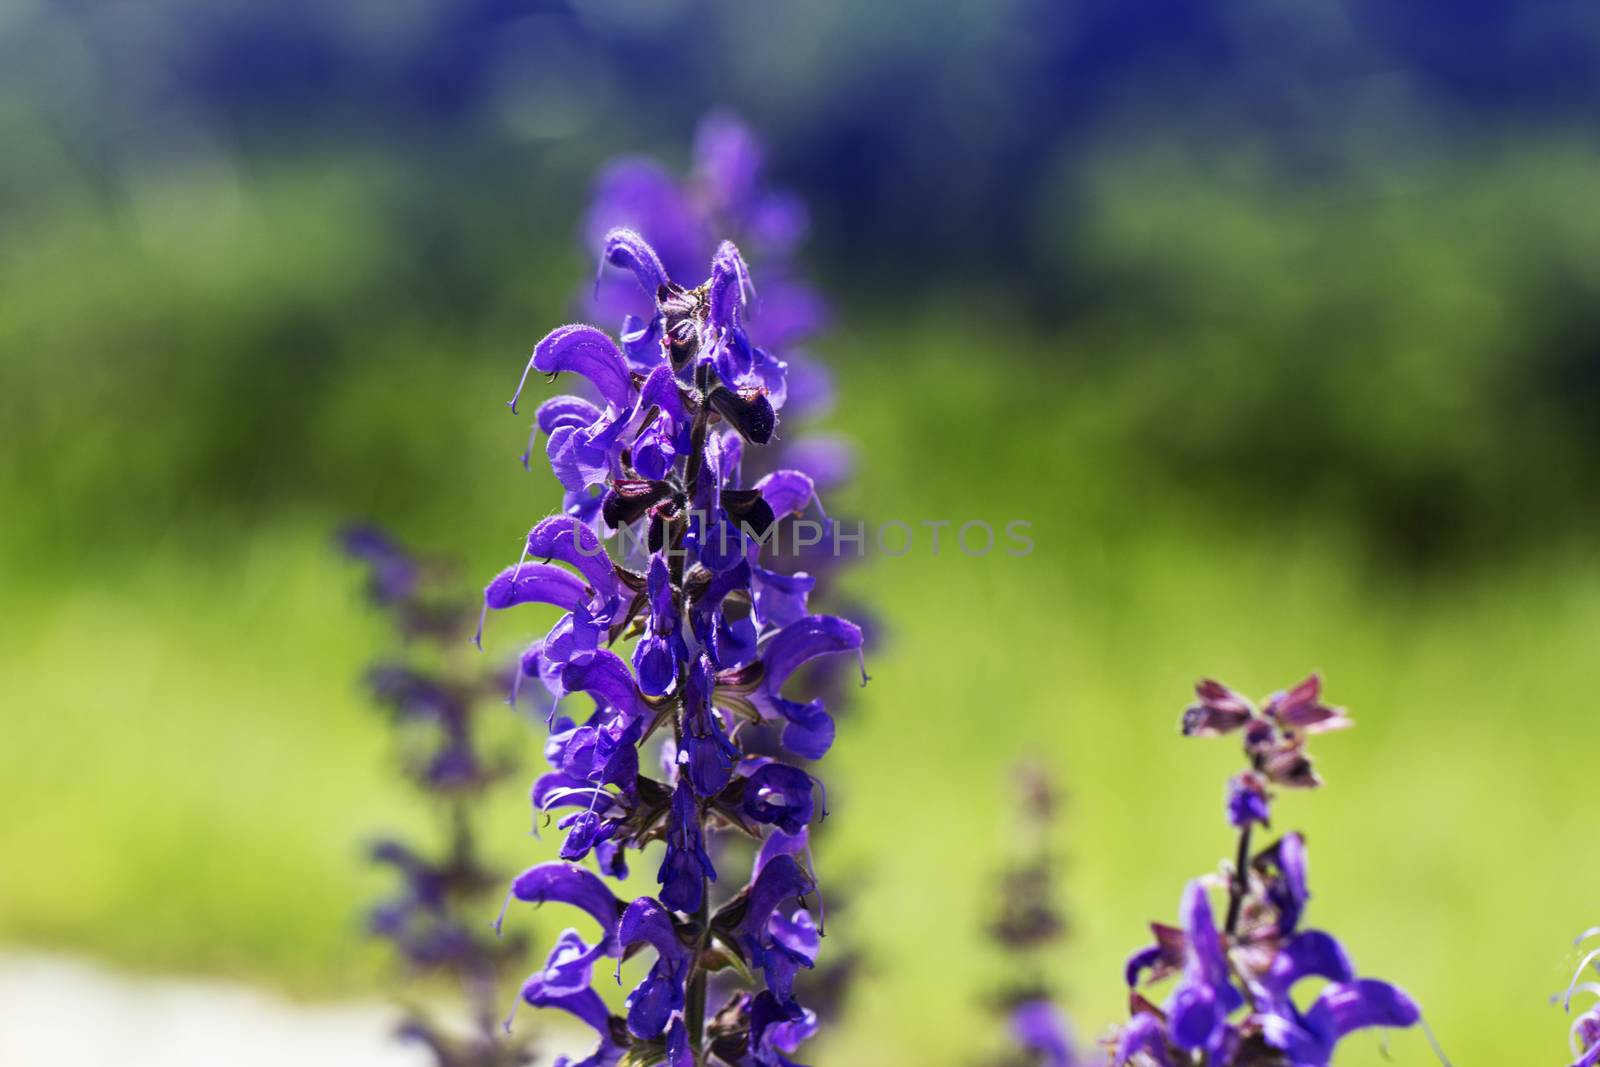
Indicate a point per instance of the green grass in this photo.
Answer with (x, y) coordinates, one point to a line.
(189, 769)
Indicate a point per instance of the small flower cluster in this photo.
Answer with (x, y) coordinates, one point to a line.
(432, 921)
(1232, 1003)
(1586, 1027)
(653, 460)
(1028, 926)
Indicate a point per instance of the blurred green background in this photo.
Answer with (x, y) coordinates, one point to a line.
(1277, 321)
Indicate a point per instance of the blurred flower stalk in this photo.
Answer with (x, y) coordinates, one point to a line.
(1028, 929)
(432, 690)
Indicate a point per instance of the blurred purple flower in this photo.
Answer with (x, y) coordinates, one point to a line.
(1029, 925)
(431, 919)
(1040, 1027)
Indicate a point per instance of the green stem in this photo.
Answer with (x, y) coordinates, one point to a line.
(1241, 881)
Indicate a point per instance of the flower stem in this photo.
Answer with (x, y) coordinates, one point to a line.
(1241, 881)
(695, 1008)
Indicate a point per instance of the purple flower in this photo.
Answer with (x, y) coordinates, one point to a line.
(687, 866)
(1309, 954)
(660, 543)
(725, 194)
(1586, 1027)
(1027, 927)
(655, 1000)
(1219, 710)
(1233, 1002)
(1586, 1038)
(1282, 870)
(1143, 1036)
(1040, 1027)
(809, 729)
(779, 879)
(1301, 708)
(706, 751)
(567, 883)
(1341, 1009)
(1199, 1015)
(1248, 801)
(1199, 1007)
(1275, 737)
(791, 944)
(661, 653)
(411, 694)
(568, 990)
(421, 922)
(777, 1027)
(532, 583)
(779, 795)
(392, 574)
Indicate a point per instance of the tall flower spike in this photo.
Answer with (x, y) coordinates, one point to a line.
(716, 638)
(1233, 1004)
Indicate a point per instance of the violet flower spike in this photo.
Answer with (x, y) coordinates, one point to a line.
(716, 639)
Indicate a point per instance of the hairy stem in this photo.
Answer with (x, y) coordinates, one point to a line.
(695, 1008)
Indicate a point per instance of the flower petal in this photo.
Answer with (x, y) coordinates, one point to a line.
(567, 883)
(566, 538)
(646, 920)
(810, 731)
(727, 288)
(1345, 1007)
(779, 599)
(778, 844)
(661, 390)
(606, 677)
(1309, 954)
(626, 249)
(780, 795)
(728, 160)
(585, 1005)
(534, 583)
(804, 640)
(582, 350)
(788, 491)
(781, 879)
(566, 411)
(1041, 1027)
(1141, 1036)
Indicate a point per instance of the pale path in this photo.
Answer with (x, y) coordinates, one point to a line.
(58, 1012)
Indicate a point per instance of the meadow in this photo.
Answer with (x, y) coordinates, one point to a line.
(190, 768)
(1276, 326)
